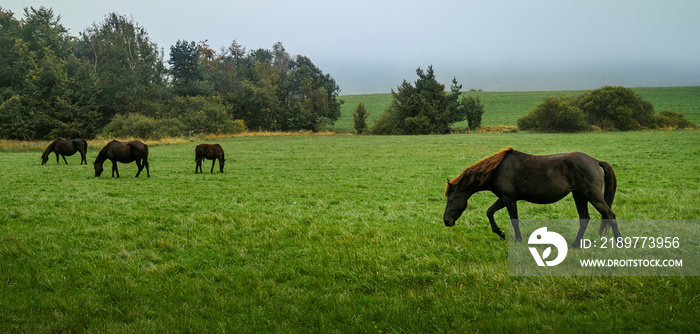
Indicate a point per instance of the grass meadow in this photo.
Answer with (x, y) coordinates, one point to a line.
(504, 108)
(322, 234)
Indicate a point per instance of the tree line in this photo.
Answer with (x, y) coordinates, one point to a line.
(113, 79)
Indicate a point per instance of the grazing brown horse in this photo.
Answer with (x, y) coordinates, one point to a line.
(66, 147)
(117, 151)
(210, 152)
(513, 176)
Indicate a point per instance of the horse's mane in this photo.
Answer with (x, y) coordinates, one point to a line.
(480, 172)
(103, 152)
(49, 148)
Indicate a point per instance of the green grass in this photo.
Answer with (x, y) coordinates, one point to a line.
(504, 108)
(321, 234)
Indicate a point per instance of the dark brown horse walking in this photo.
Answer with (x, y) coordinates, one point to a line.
(117, 151)
(66, 147)
(513, 176)
(210, 152)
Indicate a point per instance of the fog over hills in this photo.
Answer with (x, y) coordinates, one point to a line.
(370, 79)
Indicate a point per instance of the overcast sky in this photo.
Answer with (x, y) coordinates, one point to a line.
(371, 46)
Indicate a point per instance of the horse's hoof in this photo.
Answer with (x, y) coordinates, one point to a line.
(503, 235)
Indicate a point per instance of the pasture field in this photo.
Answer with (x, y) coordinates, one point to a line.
(504, 108)
(323, 234)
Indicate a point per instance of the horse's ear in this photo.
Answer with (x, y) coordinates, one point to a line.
(448, 181)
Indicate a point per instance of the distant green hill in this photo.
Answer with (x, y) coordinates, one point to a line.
(504, 108)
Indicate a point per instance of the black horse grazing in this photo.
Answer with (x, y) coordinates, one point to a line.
(513, 176)
(117, 151)
(210, 152)
(66, 147)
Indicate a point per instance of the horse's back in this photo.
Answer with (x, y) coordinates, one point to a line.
(545, 178)
(125, 151)
(209, 151)
(138, 149)
(80, 145)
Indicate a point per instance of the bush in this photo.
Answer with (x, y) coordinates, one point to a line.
(555, 115)
(474, 110)
(607, 108)
(131, 125)
(170, 127)
(616, 108)
(389, 123)
(673, 119)
(201, 114)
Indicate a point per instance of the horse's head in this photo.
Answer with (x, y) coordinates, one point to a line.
(45, 154)
(98, 169)
(457, 199)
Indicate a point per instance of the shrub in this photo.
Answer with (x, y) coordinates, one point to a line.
(616, 107)
(170, 127)
(131, 125)
(202, 114)
(555, 115)
(607, 108)
(474, 109)
(389, 123)
(673, 119)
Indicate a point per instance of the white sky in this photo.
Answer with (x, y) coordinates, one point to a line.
(371, 46)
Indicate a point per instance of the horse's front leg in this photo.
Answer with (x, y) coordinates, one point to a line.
(213, 162)
(513, 212)
(114, 168)
(64, 158)
(490, 212)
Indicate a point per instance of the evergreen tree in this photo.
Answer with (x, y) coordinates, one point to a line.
(188, 69)
(359, 118)
(50, 92)
(422, 108)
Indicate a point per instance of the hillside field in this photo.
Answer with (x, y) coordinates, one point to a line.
(504, 108)
(324, 234)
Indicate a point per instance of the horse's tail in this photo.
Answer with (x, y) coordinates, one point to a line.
(609, 190)
(145, 154)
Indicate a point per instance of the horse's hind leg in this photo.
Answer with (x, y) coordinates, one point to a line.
(489, 213)
(608, 216)
(140, 167)
(584, 218)
(83, 158)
